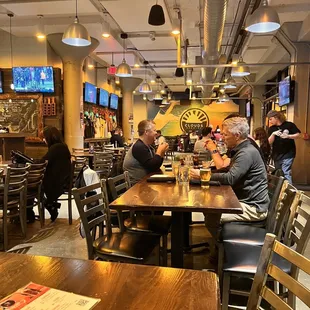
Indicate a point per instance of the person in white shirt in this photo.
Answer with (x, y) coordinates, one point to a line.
(159, 138)
(200, 144)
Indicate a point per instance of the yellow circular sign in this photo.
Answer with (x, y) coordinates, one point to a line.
(194, 119)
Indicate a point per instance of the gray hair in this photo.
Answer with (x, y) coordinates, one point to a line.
(237, 125)
(144, 126)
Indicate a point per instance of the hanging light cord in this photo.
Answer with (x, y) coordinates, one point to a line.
(11, 44)
(112, 58)
(76, 9)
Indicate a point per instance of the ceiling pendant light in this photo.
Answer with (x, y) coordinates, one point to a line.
(158, 96)
(124, 70)
(231, 83)
(76, 34)
(223, 97)
(169, 96)
(40, 34)
(189, 77)
(11, 47)
(193, 96)
(241, 70)
(145, 97)
(165, 101)
(179, 72)
(263, 20)
(105, 28)
(145, 87)
(176, 23)
(156, 16)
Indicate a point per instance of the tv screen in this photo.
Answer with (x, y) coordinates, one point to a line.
(90, 93)
(113, 101)
(1, 89)
(248, 109)
(33, 79)
(103, 98)
(285, 91)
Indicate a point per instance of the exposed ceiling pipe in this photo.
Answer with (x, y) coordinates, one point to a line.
(214, 21)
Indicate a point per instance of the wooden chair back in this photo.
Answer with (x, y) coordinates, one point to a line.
(35, 178)
(103, 162)
(94, 212)
(80, 150)
(119, 184)
(267, 269)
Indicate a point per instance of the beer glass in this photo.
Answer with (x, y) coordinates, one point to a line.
(183, 174)
(205, 176)
(175, 167)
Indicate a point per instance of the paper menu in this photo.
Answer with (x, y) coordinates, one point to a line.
(38, 297)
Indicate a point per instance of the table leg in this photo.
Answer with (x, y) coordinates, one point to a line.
(186, 221)
(212, 221)
(177, 237)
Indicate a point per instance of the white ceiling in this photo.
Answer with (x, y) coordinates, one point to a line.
(131, 16)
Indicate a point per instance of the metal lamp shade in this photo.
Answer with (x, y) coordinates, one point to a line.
(145, 88)
(231, 84)
(265, 19)
(158, 96)
(179, 72)
(156, 16)
(123, 70)
(242, 70)
(76, 35)
(165, 101)
(223, 98)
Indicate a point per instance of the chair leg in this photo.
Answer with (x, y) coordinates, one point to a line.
(5, 234)
(220, 263)
(22, 217)
(40, 210)
(164, 251)
(70, 207)
(226, 290)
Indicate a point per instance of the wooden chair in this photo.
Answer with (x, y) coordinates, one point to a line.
(102, 243)
(34, 186)
(242, 259)
(151, 224)
(266, 269)
(13, 199)
(103, 162)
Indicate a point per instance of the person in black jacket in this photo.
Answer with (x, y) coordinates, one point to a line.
(116, 139)
(57, 174)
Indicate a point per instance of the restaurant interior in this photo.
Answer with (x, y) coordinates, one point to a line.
(93, 71)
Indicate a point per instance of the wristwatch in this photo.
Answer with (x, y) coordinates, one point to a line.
(214, 152)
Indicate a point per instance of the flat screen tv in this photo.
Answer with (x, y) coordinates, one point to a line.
(285, 91)
(103, 98)
(248, 109)
(33, 79)
(113, 102)
(90, 93)
(1, 87)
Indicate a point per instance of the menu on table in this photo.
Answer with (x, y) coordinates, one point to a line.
(38, 297)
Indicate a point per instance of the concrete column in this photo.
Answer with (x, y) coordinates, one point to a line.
(258, 106)
(128, 85)
(72, 58)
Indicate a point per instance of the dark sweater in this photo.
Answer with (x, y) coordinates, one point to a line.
(247, 176)
(117, 138)
(141, 160)
(57, 174)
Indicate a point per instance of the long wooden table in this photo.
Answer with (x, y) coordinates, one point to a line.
(119, 286)
(147, 196)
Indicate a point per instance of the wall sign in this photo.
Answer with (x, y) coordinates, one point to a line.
(194, 119)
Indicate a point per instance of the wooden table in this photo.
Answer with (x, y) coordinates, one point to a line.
(146, 196)
(119, 286)
(9, 142)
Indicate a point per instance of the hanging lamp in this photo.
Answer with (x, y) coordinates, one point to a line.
(76, 34)
(223, 97)
(11, 47)
(145, 87)
(179, 72)
(156, 16)
(40, 34)
(263, 20)
(241, 70)
(105, 28)
(124, 70)
(176, 23)
(231, 83)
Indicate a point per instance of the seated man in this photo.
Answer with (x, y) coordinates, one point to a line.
(200, 144)
(141, 158)
(246, 175)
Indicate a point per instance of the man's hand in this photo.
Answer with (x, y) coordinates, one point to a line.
(194, 174)
(210, 145)
(277, 133)
(162, 148)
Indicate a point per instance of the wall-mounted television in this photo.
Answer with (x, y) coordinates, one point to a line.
(90, 93)
(286, 91)
(1, 84)
(113, 102)
(33, 79)
(248, 109)
(103, 98)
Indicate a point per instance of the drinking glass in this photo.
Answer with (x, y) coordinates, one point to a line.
(183, 174)
(205, 176)
(175, 167)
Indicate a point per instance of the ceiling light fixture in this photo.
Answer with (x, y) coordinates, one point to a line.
(263, 20)
(223, 97)
(165, 101)
(76, 34)
(231, 83)
(241, 70)
(40, 34)
(144, 97)
(137, 62)
(105, 30)
(145, 87)
(179, 72)
(124, 70)
(193, 96)
(117, 80)
(189, 77)
(176, 22)
(11, 47)
(169, 96)
(156, 16)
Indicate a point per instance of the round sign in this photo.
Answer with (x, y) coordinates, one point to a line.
(194, 119)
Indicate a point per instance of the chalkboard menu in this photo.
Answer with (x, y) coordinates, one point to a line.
(22, 114)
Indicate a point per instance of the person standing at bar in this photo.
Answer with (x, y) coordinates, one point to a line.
(117, 139)
(281, 137)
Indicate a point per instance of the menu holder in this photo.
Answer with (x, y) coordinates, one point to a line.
(161, 178)
(197, 182)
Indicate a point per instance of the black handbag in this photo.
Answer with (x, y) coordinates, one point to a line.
(20, 158)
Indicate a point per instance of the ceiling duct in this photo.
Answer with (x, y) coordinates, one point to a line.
(214, 21)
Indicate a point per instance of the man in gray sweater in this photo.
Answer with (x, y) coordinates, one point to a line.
(246, 174)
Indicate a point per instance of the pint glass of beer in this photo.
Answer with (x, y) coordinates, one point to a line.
(205, 176)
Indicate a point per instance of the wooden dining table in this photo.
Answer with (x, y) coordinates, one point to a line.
(119, 286)
(180, 199)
